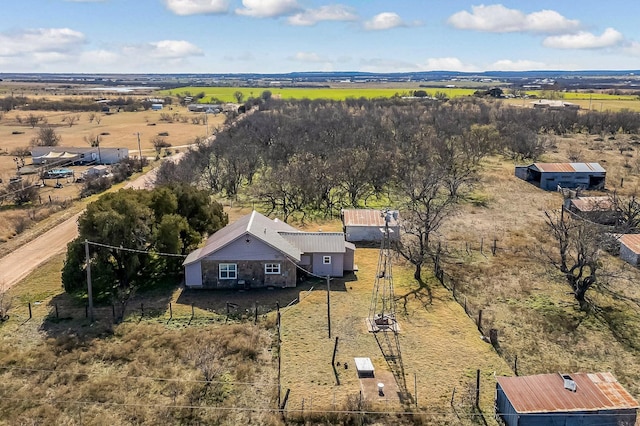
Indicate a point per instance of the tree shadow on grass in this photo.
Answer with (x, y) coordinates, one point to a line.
(238, 302)
(422, 294)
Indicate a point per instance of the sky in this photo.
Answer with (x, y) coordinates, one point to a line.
(281, 36)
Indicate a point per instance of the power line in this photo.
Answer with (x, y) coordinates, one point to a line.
(136, 250)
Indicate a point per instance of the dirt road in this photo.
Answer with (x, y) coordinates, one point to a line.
(21, 262)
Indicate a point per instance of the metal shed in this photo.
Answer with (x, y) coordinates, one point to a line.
(630, 248)
(550, 176)
(366, 225)
(564, 399)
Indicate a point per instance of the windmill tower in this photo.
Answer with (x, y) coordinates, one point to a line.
(382, 311)
(382, 321)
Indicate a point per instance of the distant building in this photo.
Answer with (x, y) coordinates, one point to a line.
(548, 104)
(564, 399)
(80, 155)
(363, 225)
(156, 107)
(550, 176)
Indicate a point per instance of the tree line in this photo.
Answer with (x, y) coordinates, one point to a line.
(315, 157)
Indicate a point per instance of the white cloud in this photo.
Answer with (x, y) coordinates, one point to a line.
(498, 19)
(448, 64)
(268, 8)
(585, 40)
(307, 57)
(40, 40)
(384, 21)
(333, 12)
(173, 49)
(197, 7)
(387, 65)
(521, 65)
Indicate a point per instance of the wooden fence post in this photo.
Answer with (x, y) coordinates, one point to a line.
(29, 310)
(478, 389)
(480, 320)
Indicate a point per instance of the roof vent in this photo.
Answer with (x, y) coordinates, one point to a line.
(569, 383)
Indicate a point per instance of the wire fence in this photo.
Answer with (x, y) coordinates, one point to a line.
(147, 310)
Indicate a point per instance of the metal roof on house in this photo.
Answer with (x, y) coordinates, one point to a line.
(365, 217)
(631, 241)
(546, 393)
(316, 242)
(260, 226)
(592, 204)
(568, 167)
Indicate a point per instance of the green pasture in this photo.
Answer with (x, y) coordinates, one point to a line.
(227, 94)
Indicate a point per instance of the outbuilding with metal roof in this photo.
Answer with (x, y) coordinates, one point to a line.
(550, 176)
(564, 399)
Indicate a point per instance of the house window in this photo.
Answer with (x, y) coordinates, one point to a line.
(228, 271)
(272, 268)
(326, 260)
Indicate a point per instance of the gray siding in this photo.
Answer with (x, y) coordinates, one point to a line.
(241, 250)
(335, 269)
(550, 181)
(628, 255)
(504, 408)
(193, 275)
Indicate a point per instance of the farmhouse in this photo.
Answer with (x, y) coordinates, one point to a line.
(364, 225)
(83, 155)
(256, 251)
(564, 399)
(550, 176)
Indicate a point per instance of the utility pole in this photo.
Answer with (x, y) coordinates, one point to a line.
(139, 150)
(329, 305)
(89, 289)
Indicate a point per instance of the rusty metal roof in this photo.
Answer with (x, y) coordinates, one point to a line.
(593, 204)
(569, 167)
(364, 217)
(545, 393)
(631, 241)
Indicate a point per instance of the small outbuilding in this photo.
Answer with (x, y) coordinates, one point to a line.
(630, 248)
(595, 209)
(367, 225)
(564, 399)
(550, 176)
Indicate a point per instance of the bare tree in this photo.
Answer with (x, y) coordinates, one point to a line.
(71, 119)
(627, 213)
(46, 137)
(158, 143)
(577, 257)
(33, 120)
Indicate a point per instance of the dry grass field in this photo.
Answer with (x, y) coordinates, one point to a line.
(99, 373)
(117, 130)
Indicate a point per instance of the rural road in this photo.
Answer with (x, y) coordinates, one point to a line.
(15, 266)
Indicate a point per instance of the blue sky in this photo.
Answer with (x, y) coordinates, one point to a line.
(274, 36)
